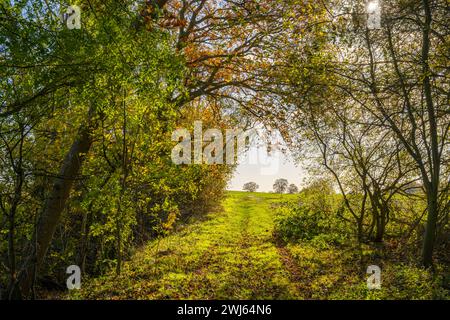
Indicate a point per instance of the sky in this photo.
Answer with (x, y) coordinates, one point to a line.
(265, 175)
(257, 165)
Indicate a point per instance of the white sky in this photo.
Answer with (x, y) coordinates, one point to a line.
(264, 176)
(258, 166)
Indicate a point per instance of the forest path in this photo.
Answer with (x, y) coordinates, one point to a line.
(229, 255)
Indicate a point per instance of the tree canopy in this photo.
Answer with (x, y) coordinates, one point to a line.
(87, 116)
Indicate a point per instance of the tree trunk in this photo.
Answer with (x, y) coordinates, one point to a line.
(433, 188)
(381, 221)
(55, 205)
(430, 230)
(379, 234)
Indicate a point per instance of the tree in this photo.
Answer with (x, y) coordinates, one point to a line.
(223, 57)
(93, 89)
(292, 188)
(392, 80)
(250, 187)
(407, 93)
(280, 185)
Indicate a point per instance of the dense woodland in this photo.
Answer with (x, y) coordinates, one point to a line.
(87, 115)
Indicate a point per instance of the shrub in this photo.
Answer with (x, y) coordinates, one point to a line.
(312, 218)
(294, 223)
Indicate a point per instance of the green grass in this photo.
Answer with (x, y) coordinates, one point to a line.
(232, 254)
(228, 255)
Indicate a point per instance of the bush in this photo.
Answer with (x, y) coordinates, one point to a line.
(313, 217)
(297, 223)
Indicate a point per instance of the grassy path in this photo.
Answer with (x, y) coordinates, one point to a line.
(230, 255)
